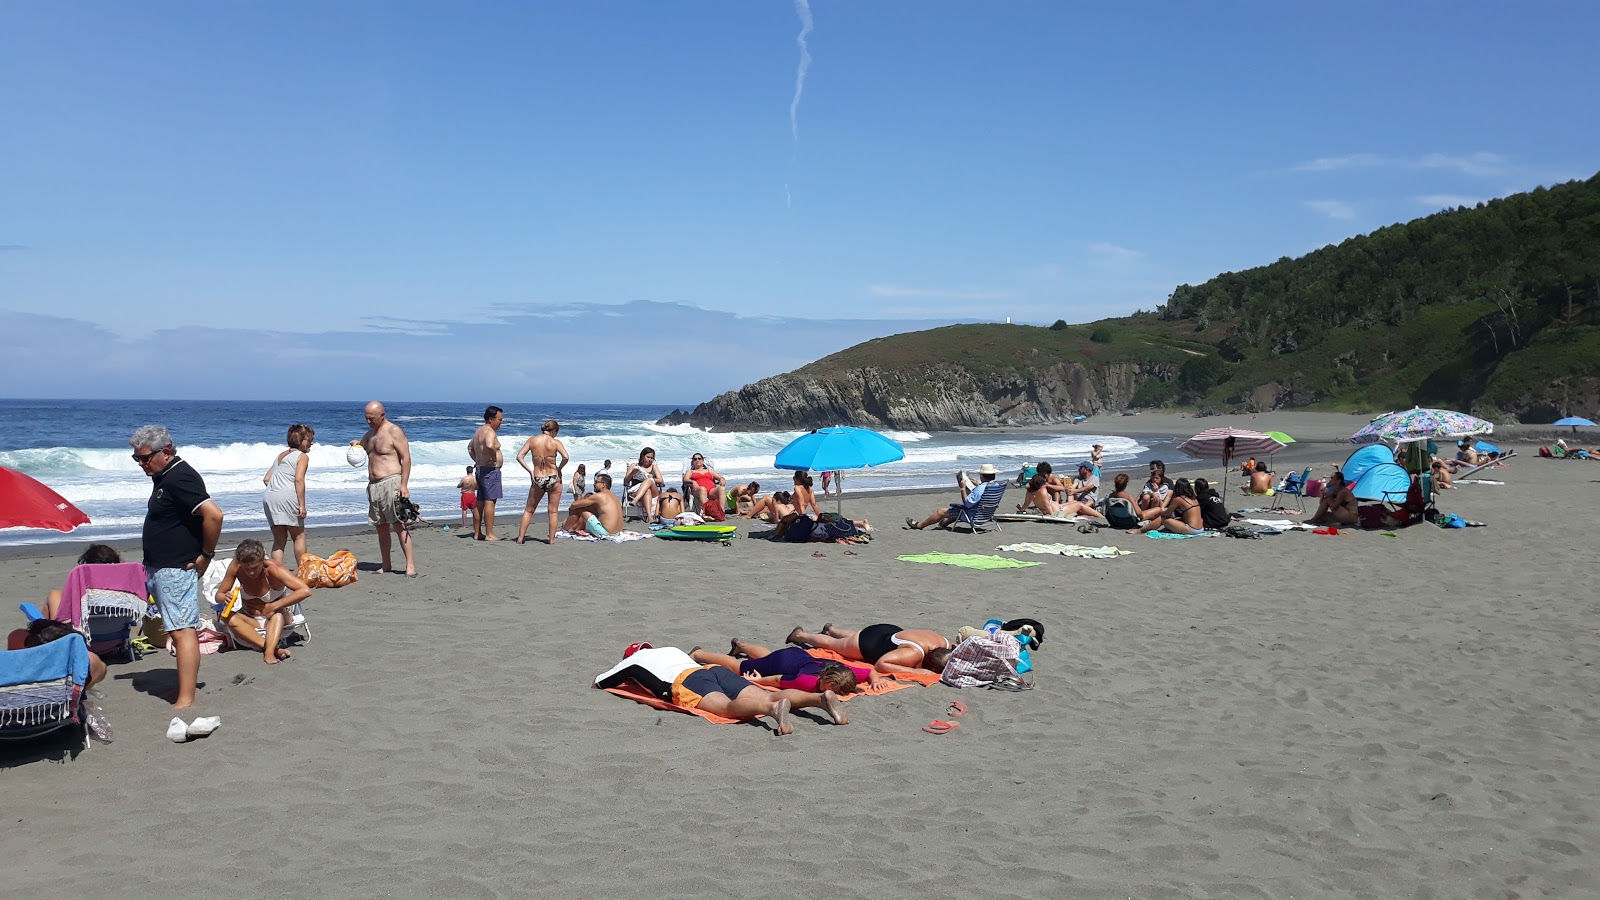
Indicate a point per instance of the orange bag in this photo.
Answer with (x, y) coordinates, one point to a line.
(337, 570)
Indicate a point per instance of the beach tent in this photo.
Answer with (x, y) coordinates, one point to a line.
(1374, 475)
(838, 448)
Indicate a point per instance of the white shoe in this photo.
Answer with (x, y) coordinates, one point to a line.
(177, 732)
(204, 725)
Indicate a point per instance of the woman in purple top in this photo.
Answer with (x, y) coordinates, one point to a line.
(789, 668)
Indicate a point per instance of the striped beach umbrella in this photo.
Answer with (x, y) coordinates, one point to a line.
(1228, 444)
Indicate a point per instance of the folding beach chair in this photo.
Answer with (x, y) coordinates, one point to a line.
(690, 504)
(108, 604)
(41, 688)
(980, 518)
(1295, 486)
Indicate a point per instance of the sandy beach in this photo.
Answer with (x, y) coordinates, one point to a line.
(1297, 716)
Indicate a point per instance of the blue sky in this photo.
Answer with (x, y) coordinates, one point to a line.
(493, 181)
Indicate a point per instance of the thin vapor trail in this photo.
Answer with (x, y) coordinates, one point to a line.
(802, 8)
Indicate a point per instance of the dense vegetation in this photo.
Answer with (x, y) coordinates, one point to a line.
(1495, 308)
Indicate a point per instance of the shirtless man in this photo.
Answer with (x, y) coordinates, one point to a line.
(484, 448)
(388, 479)
(548, 456)
(599, 514)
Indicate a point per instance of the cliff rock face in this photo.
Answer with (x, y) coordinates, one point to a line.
(935, 397)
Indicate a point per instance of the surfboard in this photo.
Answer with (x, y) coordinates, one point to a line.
(698, 532)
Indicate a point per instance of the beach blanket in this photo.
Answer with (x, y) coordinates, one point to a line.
(1037, 517)
(1169, 536)
(923, 678)
(639, 695)
(621, 537)
(968, 560)
(1066, 550)
(1280, 524)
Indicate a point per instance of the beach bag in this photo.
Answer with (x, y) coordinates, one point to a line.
(986, 659)
(337, 570)
(799, 530)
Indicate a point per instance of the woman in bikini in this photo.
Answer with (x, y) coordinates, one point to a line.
(672, 675)
(790, 668)
(705, 482)
(803, 497)
(549, 456)
(887, 648)
(266, 591)
(772, 508)
(642, 483)
(1181, 516)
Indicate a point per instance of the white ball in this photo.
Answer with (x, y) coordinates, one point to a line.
(355, 456)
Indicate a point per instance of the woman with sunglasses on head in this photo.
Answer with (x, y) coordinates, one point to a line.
(285, 501)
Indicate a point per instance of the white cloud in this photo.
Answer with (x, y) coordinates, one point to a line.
(1481, 164)
(1352, 161)
(1110, 252)
(1447, 201)
(1333, 209)
(961, 293)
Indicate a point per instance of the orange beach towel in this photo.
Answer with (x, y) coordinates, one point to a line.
(922, 678)
(640, 695)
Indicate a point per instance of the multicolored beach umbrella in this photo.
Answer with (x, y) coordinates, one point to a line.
(1421, 425)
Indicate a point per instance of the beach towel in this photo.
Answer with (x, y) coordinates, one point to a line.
(639, 695)
(1067, 550)
(968, 560)
(337, 570)
(1169, 536)
(127, 578)
(621, 537)
(923, 678)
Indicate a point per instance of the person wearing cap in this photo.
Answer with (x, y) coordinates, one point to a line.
(672, 675)
(973, 491)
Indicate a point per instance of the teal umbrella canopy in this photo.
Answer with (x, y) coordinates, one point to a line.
(840, 447)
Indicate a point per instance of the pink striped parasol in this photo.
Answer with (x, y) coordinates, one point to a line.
(1227, 444)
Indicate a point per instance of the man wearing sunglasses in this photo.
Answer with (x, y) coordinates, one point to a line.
(181, 527)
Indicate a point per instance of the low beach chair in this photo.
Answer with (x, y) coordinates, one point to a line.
(41, 688)
(108, 603)
(980, 518)
(1294, 486)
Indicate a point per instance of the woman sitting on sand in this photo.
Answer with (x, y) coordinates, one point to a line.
(1338, 505)
(1181, 516)
(1441, 475)
(266, 591)
(1120, 509)
(672, 675)
(804, 499)
(887, 648)
(772, 508)
(789, 668)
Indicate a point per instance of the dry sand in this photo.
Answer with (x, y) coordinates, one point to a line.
(1299, 716)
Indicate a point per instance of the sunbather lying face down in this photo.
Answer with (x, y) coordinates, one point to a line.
(772, 508)
(674, 676)
(788, 667)
(888, 648)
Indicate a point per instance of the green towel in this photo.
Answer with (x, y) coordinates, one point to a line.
(969, 561)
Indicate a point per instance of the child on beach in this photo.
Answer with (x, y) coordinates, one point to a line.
(266, 592)
(468, 486)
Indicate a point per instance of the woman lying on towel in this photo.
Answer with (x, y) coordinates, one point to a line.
(672, 675)
(788, 668)
(887, 648)
(772, 508)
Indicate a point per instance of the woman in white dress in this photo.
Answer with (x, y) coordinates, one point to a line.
(285, 501)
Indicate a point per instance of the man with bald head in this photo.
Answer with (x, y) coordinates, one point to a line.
(388, 479)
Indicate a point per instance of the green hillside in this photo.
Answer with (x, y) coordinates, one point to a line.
(1495, 308)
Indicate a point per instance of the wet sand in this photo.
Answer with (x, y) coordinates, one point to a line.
(1306, 716)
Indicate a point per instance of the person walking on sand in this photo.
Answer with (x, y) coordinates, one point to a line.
(468, 486)
(548, 456)
(484, 448)
(181, 527)
(285, 500)
(388, 480)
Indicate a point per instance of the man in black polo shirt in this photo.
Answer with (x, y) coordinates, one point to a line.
(181, 529)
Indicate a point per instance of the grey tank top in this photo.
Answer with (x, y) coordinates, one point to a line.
(282, 480)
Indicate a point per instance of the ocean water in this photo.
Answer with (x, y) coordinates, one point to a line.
(79, 448)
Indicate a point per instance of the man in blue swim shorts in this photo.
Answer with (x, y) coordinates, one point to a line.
(599, 514)
(484, 448)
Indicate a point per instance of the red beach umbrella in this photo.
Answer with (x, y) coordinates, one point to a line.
(26, 503)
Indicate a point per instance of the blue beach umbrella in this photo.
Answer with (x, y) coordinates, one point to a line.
(1574, 422)
(838, 448)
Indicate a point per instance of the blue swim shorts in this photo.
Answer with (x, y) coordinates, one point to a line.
(593, 526)
(177, 593)
(488, 485)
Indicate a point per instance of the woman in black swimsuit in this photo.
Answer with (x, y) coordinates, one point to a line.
(888, 648)
(1182, 515)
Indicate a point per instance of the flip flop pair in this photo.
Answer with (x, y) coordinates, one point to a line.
(939, 726)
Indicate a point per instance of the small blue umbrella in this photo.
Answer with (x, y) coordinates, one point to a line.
(1485, 447)
(1574, 422)
(838, 448)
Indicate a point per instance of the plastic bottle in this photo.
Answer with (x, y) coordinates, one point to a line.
(95, 717)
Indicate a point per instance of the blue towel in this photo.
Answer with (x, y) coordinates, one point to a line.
(47, 662)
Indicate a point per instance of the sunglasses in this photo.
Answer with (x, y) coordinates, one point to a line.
(697, 459)
(143, 458)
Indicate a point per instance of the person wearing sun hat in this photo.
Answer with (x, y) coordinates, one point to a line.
(972, 492)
